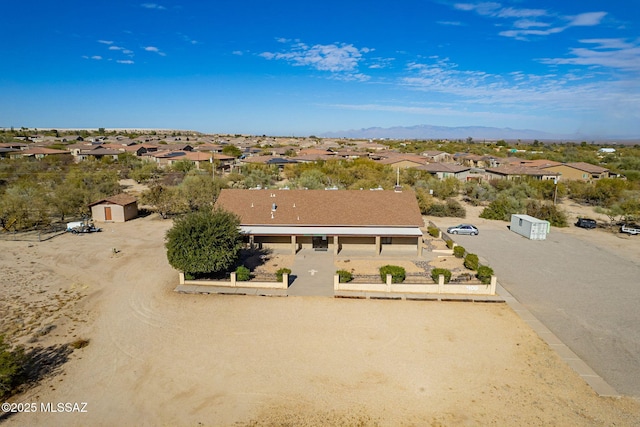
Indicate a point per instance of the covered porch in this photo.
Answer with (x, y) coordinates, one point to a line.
(374, 240)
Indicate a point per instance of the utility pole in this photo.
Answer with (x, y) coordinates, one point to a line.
(213, 165)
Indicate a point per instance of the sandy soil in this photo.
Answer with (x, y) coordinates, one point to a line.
(160, 358)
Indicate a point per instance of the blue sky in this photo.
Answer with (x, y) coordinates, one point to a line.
(307, 67)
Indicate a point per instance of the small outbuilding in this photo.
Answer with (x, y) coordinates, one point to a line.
(119, 208)
(530, 227)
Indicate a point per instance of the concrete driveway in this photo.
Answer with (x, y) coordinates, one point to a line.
(587, 295)
(312, 273)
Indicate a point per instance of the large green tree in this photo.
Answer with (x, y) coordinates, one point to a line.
(204, 242)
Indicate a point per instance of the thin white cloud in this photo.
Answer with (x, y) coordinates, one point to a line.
(589, 19)
(579, 92)
(451, 23)
(527, 23)
(94, 57)
(496, 10)
(510, 12)
(124, 61)
(610, 53)
(522, 34)
(116, 48)
(485, 8)
(152, 6)
(188, 39)
(380, 63)
(336, 57)
(155, 50)
(237, 53)
(531, 22)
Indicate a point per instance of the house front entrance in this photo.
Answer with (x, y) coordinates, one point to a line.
(320, 243)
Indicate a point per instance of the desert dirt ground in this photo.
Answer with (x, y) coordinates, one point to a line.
(159, 358)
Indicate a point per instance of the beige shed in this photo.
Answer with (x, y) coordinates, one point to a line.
(119, 208)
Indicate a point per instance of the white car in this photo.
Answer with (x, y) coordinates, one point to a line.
(630, 229)
(463, 229)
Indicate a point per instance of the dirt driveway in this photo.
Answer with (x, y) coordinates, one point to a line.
(160, 358)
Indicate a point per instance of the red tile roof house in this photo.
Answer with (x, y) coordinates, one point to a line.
(337, 220)
(119, 208)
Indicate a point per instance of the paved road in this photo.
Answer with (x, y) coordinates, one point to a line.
(588, 296)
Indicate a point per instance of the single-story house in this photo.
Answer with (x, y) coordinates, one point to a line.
(364, 220)
(268, 160)
(538, 163)
(6, 151)
(40, 153)
(315, 152)
(579, 171)
(312, 158)
(98, 153)
(447, 170)
(517, 172)
(475, 160)
(119, 208)
(14, 145)
(436, 156)
(212, 148)
(403, 161)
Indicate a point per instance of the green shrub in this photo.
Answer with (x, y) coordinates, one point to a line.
(79, 343)
(458, 251)
(243, 274)
(455, 209)
(436, 272)
(433, 231)
(451, 208)
(282, 271)
(471, 261)
(548, 212)
(345, 276)
(484, 274)
(502, 208)
(397, 273)
(12, 363)
(436, 209)
(450, 244)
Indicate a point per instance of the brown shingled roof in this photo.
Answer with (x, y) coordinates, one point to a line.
(121, 199)
(587, 167)
(323, 207)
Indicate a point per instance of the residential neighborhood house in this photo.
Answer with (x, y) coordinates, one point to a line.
(365, 220)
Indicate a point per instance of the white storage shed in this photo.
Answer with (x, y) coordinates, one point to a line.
(530, 227)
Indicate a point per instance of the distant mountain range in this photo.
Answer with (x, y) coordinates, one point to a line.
(478, 133)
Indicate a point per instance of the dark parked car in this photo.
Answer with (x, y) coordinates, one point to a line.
(586, 223)
(463, 229)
